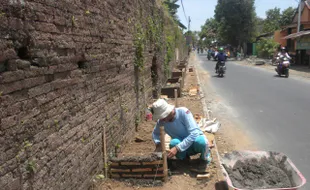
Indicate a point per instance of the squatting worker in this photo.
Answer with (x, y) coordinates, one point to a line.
(180, 125)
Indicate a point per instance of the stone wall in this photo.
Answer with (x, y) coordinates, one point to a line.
(68, 69)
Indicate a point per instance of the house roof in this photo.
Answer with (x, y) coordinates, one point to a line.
(297, 35)
(304, 4)
(294, 25)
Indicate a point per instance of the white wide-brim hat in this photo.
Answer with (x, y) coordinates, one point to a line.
(161, 109)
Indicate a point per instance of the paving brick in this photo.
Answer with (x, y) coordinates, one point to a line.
(130, 163)
(158, 162)
(132, 175)
(153, 175)
(142, 170)
(158, 169)
(114, 164)
(114, 170)
(115, 176)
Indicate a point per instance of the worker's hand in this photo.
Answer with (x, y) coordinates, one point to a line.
(158, 148)
(172, 152)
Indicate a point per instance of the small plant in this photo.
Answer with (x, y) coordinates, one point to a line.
(99, 176)
(73, 21)
(117, 147)
(137, 121)
(31, 166)
(27, 144)
(1, 92)
(106, 165)
(124, 107)
(139, 40)
(87, 12)
(56, 123)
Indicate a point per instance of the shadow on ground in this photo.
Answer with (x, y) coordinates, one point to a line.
(303, 69)
(216, 76)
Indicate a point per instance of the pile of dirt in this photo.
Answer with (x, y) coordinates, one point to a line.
(262, 174)
(148, 158)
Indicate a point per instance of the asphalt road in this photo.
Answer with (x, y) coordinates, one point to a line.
(276, 111)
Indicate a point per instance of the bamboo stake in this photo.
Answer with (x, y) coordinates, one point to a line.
(183, 77)
(105, 153)
(162, 141)
(176, 97)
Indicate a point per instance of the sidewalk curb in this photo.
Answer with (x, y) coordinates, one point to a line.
(206, 113)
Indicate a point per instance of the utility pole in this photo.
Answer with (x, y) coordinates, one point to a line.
(189, 23)
(299, 15)
(298, 27)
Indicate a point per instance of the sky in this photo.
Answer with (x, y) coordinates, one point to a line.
(200, 10)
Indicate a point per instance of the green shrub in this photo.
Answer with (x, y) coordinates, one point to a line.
(266, 48)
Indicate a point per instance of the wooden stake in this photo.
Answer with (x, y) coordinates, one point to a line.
(163, 147)
(183, 76)
(176, 97)
(105, 161)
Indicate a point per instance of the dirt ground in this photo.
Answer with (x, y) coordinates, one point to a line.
(230, 137)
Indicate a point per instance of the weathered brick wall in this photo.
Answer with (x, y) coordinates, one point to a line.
(66, 71)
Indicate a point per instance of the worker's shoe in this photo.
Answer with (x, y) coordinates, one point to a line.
(201, 167)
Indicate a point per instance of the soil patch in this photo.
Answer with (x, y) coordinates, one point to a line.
(146, 158)
(261, 174)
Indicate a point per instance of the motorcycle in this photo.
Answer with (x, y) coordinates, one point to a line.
(221, 69)
(283, 65)
(209, 56)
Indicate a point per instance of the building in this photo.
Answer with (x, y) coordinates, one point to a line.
(297, 43)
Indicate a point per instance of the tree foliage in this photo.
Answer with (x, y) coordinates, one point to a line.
(236, 19)
(272, 21)
(266, 47)
(287, 16)
(208, 33)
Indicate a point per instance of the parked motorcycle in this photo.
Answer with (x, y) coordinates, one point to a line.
(221, 69)
(283, 66)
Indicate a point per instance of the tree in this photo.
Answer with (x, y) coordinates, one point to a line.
(272, 21)
(208, 32)
(236, 19)
(287, 16)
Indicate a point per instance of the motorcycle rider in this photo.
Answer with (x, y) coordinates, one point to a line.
(221, 56)
(209, 53)
(283, 55)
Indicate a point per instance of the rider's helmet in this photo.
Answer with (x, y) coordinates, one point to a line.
(221, 50)
(283, 49)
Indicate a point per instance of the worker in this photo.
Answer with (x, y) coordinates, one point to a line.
(180, 125)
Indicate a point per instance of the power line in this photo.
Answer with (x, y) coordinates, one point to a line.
(184, 11)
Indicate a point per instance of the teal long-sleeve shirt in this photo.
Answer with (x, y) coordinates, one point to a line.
(183, 127)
